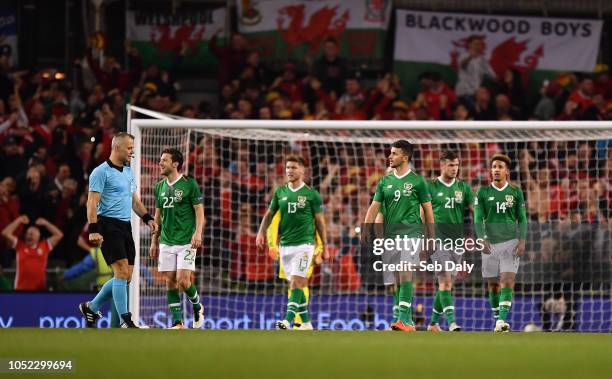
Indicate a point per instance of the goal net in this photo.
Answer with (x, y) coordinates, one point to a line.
(564, 169)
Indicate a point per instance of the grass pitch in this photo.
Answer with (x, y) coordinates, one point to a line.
(208, 354)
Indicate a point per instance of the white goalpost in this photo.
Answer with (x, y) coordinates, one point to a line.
(564, 169)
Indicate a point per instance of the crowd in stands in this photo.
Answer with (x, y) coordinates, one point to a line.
(54, 131)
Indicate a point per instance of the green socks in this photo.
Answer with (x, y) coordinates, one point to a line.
(174, 302)
(194, 298)
(437, 310)
(494, 301)
(446, 301)
(297, 305)
(405, 303)
(505, 301)
(395, 306)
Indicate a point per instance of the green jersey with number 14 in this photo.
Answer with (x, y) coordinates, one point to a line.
(176, 201)
(497, 212)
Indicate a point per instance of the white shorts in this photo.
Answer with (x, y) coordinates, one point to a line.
(296, 259)
(501, 259)
(176, 257)
(397, 256)
(442, 256)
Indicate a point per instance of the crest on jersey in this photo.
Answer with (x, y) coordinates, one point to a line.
(178, 194)
(301, 201)
(509, 200)
(407, 188)
(458, 196)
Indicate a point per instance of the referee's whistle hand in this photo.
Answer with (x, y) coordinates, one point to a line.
(96, 238)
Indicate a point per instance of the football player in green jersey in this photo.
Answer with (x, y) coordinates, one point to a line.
(498, 208)
(301, 217)
(400, 195)
(180, 212)
(451, 198)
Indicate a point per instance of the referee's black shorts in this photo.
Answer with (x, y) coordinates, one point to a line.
(118, 242)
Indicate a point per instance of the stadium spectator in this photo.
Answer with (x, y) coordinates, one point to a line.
(437, 96)
(483, 110)
(545, 108)
(31, 191)
(288, 84)
(583, 95)
(504, 108)
(232, 59)
(330, 68)
(352, 92)
(32, 252)
(13, 162)
(472, 70)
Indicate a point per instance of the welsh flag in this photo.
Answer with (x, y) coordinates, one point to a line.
(159, 36)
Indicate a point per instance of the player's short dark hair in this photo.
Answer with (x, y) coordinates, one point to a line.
(502, 158)
(405, 146)
(176, 155)
(448, 155)
(296, 158)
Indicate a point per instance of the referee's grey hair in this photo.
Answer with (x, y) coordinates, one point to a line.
(120, 136)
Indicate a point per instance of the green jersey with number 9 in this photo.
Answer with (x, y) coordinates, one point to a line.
(176, 201)
(401, 198)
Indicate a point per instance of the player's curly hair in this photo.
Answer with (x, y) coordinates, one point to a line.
(502, 158)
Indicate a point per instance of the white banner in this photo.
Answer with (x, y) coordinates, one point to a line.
(312, 17)
(530, 43)
(170, 30)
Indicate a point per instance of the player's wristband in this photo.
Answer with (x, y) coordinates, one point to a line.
(146, 218)
(93, 228)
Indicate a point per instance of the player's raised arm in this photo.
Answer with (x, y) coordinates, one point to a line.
(56, 234)
(9, 231)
